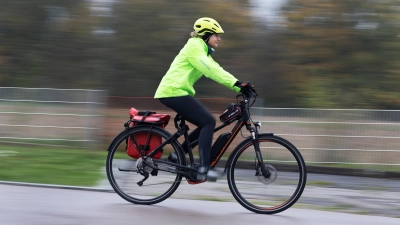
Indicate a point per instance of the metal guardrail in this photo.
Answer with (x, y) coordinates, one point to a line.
(337, 136)
(347, 137)
(51, 116)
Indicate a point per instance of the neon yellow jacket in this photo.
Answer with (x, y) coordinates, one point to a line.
(188, 66)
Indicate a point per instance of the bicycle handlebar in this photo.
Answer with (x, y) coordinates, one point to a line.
(248, 90)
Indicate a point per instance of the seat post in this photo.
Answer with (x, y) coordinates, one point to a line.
(183, 128)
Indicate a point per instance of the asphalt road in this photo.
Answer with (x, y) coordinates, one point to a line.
(27, 205)
(350, 194)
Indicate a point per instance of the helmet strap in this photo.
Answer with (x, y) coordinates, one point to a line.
(206, 37)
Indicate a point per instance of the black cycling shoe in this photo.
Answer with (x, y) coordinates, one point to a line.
(172, 157)
(213, 175)
(202, 173)
(205, 174)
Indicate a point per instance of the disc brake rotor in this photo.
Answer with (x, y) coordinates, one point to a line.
(273, 173)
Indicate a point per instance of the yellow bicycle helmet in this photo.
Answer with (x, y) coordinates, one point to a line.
(207, 25)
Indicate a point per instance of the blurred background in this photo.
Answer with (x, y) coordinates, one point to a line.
(299, 53)
(327, 73)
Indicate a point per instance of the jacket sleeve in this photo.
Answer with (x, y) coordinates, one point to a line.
(199, 60)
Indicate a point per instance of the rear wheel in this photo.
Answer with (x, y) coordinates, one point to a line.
(276, 192)
(126, 174)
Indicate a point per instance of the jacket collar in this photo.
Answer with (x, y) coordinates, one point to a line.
(210, 50)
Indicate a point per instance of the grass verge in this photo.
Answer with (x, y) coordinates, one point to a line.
(51, 165)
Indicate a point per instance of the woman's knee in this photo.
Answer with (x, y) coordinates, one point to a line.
(214, 122)
(211, 121)
(206, 121)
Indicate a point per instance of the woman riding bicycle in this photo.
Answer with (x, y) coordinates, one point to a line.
(176, 88)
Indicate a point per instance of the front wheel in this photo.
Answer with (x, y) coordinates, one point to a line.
(266, 194)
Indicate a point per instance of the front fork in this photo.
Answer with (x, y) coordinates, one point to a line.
(256, 144)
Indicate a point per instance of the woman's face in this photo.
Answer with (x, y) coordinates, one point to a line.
(213, 41)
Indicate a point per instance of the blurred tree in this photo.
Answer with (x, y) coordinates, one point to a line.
(342, 53)
(46, 43)
(149, 34)
(329, 54)
(50, 43)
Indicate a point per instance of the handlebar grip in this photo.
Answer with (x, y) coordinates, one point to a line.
(247, 89)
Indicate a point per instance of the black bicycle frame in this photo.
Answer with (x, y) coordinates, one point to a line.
(242, 120)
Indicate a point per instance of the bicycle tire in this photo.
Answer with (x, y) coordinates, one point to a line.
(123, 174)
(266, 195)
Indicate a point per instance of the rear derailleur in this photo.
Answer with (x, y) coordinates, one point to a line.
(144, 169)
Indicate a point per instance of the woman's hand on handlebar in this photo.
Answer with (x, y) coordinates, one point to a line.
(246, 88)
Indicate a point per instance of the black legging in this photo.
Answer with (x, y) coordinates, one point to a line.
(197, 114)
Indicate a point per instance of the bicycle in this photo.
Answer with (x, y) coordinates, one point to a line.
(266, 174)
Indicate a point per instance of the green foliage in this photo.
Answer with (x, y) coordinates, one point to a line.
(337, 53)
(341, 54)
(46, 43)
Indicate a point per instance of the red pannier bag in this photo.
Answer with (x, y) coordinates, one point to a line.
(145, 143)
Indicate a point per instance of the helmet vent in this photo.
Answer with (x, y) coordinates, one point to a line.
(198, 26)
(216, 25)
